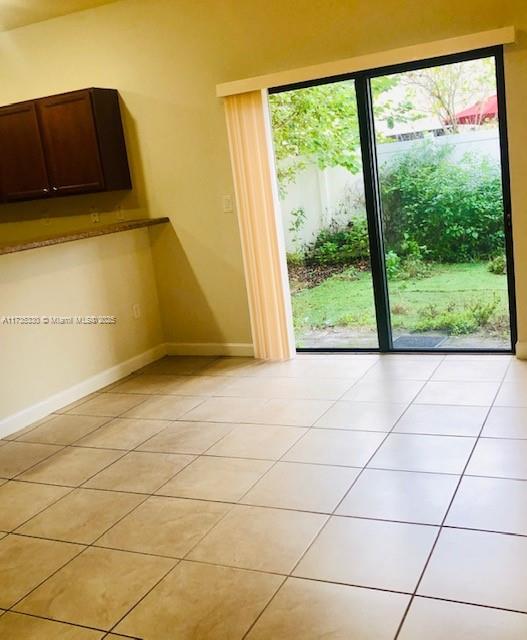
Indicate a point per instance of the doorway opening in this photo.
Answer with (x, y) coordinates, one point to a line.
(394, 191)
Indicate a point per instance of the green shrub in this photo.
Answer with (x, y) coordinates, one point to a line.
(340, 245)
(453, 211)
(408, 268)
(482, 312)
(295, 259)
(455, 323)
(410, 248)
(470, 318)
(498, 265)
(393, 264)
(398, 309)
(413, 267)
(298, 219)
(327, 252)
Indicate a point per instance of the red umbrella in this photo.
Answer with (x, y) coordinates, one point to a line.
(480, 112)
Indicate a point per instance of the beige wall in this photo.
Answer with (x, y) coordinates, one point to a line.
(165, 57)
(106, 275)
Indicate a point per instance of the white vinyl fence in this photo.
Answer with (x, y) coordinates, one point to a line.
(333, 194)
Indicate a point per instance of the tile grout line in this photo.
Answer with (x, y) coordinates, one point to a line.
(184, 557)
(265, 607)
(255, 425)
(215, 395)
(280, 459)
(83, 549)
(13, 437)
(184, 417)
(129, 611)
(359, 379)
(35, 515)
(137, 448)
(91, 545)
(285, 576)
(216, 524)
(179, 559)
(59, 415)
(196, 456)
(69, 624)
(274, 462)
(362, 469)
(434, 545)
(76, 446)
(251, 626)
(328, 519)
(385, 438)
(235, 504)
(110, 418)
(146, 497)
(72, 489)
(326, 514)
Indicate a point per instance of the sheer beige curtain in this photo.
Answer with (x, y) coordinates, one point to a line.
(260, 228)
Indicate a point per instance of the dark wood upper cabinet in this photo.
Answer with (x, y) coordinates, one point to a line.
(70, 144)
(64, 144)
(23, 173)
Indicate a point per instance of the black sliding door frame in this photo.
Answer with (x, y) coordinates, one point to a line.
(372, 199)
(373, 202)
(506, 191)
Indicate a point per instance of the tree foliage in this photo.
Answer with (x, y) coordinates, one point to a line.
(320, 124)
(446, 89)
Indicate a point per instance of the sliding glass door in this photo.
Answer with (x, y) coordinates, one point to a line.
(396, 209)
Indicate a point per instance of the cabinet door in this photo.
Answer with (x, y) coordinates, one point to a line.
(70, 143)
(23, 173)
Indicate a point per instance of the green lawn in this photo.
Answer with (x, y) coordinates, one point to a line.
(451, 291)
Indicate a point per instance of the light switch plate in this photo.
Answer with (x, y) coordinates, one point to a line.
(228, 205)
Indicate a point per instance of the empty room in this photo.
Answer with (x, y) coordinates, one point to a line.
(263, 320)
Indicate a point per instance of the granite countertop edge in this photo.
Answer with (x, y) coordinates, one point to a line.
(70, 236)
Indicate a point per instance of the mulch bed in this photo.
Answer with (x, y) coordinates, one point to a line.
(303, 276)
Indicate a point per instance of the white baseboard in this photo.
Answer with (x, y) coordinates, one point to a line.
(21, 419)
(41, 409)
(521, 350)
(210, 349)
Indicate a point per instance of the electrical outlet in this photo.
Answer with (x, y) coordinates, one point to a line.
(94, 214)
(136, 310)
(228, 206)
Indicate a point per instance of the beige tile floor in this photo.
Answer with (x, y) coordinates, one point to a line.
(351, 497)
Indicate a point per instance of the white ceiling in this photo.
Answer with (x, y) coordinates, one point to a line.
(17, 13)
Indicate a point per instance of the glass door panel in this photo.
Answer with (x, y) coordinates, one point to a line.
(439, 163)
(321, 188)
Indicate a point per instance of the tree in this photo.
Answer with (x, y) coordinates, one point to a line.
(447, 89)
(320, 124)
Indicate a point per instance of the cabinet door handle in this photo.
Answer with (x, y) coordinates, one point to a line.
(55, 188)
